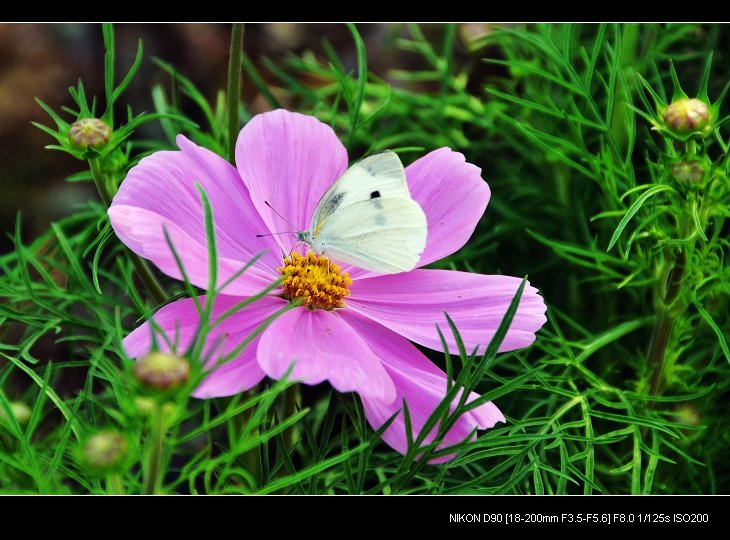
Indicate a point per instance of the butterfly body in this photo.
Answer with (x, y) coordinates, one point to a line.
(368, 219)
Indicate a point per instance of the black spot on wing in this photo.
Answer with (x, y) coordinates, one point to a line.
(332, 204)
(375, 194)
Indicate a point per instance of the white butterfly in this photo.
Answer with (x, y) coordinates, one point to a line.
(368, 219)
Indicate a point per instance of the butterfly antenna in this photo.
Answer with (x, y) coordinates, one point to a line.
(275, 233)
(278, 214)
(282, 217)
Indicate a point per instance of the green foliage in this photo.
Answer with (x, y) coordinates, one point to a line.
(624, 390)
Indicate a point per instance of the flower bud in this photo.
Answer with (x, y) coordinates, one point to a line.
(472, 35)
(687, 115)
(689, 415)
(688, 172)
(104, 451)
(89, 132)
(145, 405)
(162, 371)
(19, 410)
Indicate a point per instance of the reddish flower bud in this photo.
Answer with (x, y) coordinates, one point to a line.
(687, 115)
(89, 133)
(104, 451)
(162, 371)
(688, 172)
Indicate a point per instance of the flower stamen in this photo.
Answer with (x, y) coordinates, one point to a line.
(316, 280)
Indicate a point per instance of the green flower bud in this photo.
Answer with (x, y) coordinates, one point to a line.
(688, 172)
(20, 411)
(145, 405)
(162, 371)
(687, 414)
(89, 133)
(687, 115)
(105, 451)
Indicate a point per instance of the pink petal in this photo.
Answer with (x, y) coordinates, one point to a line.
(160, 193)
(421, 384)
(413, 303)
(325, 348)
(290, 160)
(180, 323)
(453, 196)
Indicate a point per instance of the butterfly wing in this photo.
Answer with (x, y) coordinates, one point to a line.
(384, 234)
(377, 176)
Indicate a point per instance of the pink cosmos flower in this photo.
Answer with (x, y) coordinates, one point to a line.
(354, 331)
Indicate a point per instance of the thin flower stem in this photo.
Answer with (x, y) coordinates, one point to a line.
(141, 268)
(154, 473)
(233, 94)
(144, 272)
(114, 485)
(291, 396)
(657, 350)
(250, 457)
(666, 316)
(100, 181)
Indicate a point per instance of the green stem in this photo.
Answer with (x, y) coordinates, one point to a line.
(250, 457)
(141, 268)
(629, 44)
(154, 471)
(144, 273)
(619, 122)
(233, 94)
(114, 485)
(691, 147)
(670, 303)
(101, 185)
(657, 351)
(663, 326)
(291, 396)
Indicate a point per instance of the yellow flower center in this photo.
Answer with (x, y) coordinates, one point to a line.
(316, 280)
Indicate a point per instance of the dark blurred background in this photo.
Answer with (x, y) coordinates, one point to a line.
(43, 60)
